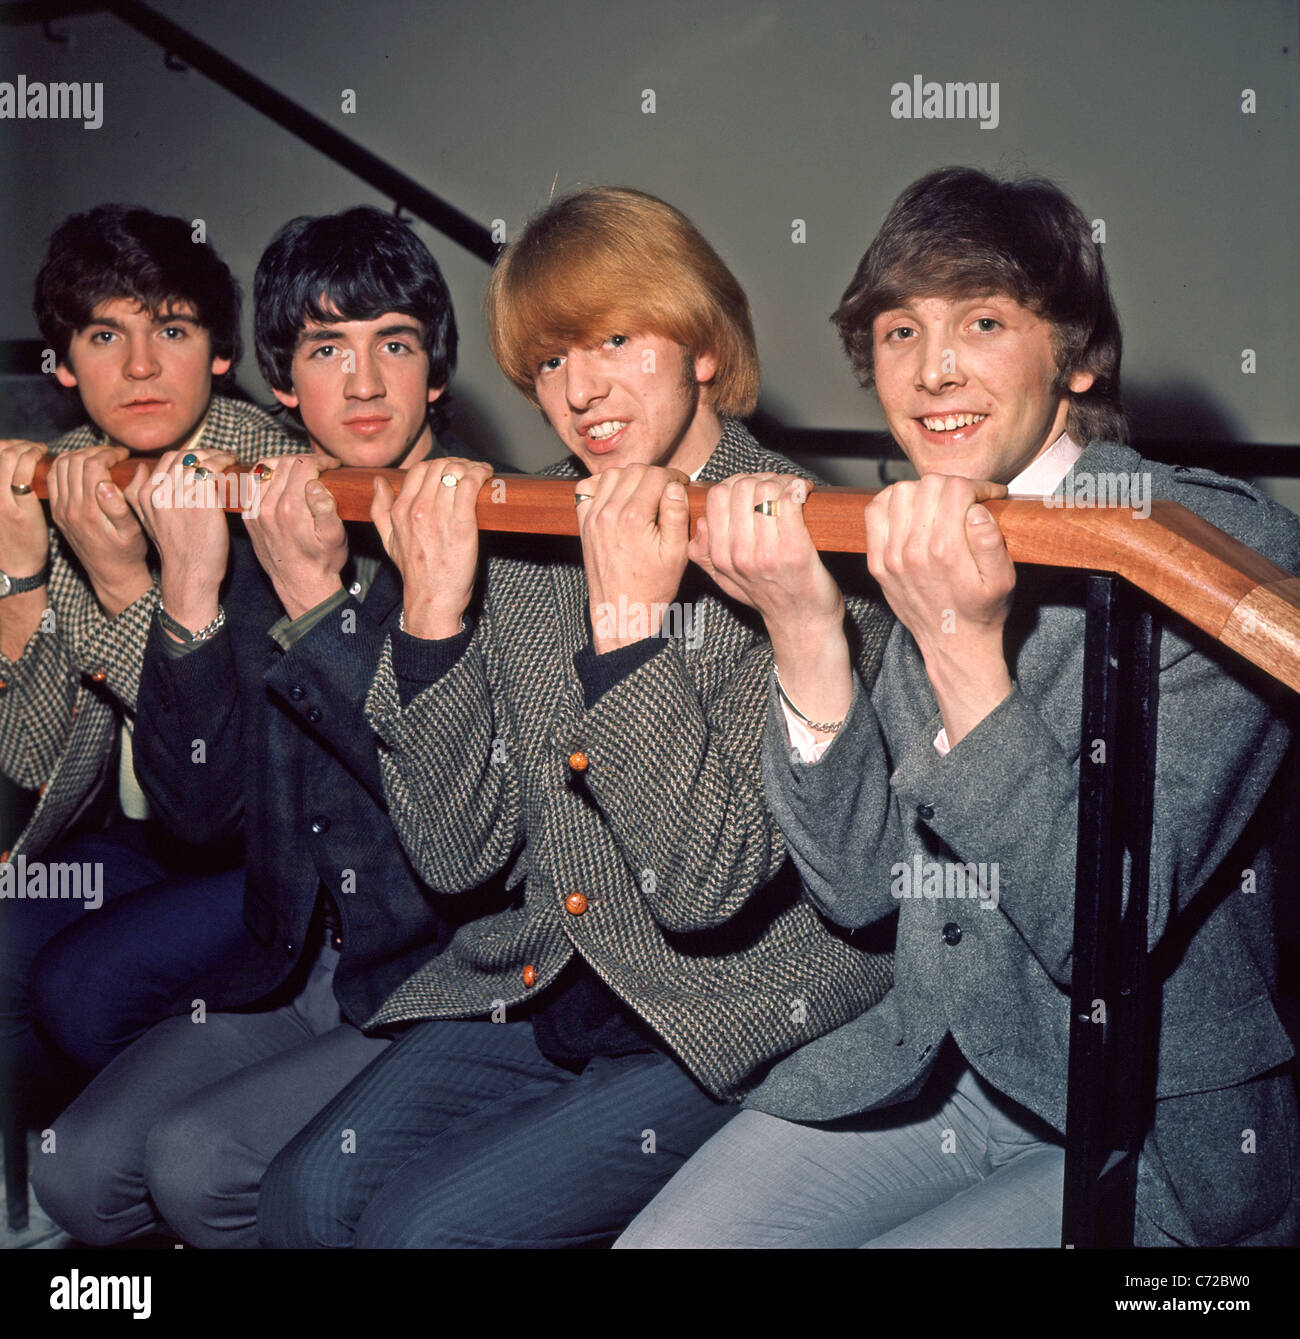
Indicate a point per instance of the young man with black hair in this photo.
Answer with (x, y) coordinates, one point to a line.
(267, 667)
(982, 315)
(143, 321)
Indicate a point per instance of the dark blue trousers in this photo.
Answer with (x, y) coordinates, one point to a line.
(462, 1134)
(86, 983)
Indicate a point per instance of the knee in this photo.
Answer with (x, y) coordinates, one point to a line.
(74, 1177)
(193, 1170)
(302, 1198)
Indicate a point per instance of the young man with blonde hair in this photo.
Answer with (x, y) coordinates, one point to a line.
(567, 1051)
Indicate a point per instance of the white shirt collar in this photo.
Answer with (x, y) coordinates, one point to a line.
(1040, 477)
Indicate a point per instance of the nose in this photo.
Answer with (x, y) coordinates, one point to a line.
(364, 381)
(584, 379)
(938, 364)
(141, 358)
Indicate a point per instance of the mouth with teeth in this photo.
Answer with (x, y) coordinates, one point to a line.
(946, 423)
(605, 436)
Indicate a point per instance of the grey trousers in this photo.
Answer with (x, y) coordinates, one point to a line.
(175, 1135)
(961, 1167)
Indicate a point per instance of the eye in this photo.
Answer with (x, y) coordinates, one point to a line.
(618, 341)
(397, 347)
(172, 333)
(899, 332)
(986, 325)
(323, 351)
(102, 337)
(551, 364)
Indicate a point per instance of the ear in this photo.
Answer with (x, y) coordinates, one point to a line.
(435, 392)
(706, 367)
(67, 377)
(286, 398)
(220, 366)
(1081, 381)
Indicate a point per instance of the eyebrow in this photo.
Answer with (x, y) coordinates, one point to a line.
(162, 318)
(321, 335)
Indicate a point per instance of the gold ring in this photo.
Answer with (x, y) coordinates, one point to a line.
(449, 480)
(21, 489)
(769, 508)
(581, 497)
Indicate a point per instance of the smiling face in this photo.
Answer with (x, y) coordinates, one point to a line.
(362, 388)
(630, 399)
(969, 386)
(144, 378)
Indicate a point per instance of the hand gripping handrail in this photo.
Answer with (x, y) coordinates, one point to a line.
(1227, 590)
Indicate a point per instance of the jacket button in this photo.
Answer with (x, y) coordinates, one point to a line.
(575, 904)
(3, 685)
(579, 761)
(952, 933)
(313, 715)
(297, 694)
(290, 950)
(98, 677)
(4, 858)
(925, 811)
(42, 789)
(530, 975)
(320, 825)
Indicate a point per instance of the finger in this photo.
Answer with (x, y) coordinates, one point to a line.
(465, 503)
(324, 512)
(381, 510)
(24, 466)
(584, 499)
(791, 528)
(135, 494)
(698, 548)
(717, 512)
(114, 506)
(988, 547)
(674, 517)
(902, 498)
(875, 516)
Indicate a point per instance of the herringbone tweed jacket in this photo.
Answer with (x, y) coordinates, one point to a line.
(693, 916)
(65, 696)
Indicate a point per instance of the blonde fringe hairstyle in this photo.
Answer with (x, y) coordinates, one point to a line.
(611, 260)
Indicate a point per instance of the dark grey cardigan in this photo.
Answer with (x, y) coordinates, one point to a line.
(1007, 793)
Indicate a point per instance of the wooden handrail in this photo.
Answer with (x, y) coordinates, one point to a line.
(1233, 594)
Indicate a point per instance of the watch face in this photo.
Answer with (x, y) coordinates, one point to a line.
(5, 584)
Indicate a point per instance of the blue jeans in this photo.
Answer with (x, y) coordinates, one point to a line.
(89, 982)
(958, 1167)
(463, 1134)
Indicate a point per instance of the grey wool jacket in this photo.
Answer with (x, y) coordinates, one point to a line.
(66, 696)
(693, 914)
(1219, 1162)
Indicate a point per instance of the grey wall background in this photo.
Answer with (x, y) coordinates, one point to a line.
(765, 113)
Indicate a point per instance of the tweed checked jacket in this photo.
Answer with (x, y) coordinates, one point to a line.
(693, 915)
(1006, 798)
(67, 693)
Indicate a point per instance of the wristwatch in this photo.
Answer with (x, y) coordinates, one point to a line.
(17, 585)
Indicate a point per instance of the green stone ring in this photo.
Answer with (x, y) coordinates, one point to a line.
(190, 459)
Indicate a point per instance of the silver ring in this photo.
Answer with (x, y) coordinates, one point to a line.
(21, 489)
(449, 480)
(202, 474)
(771, 507)
(581, 497)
